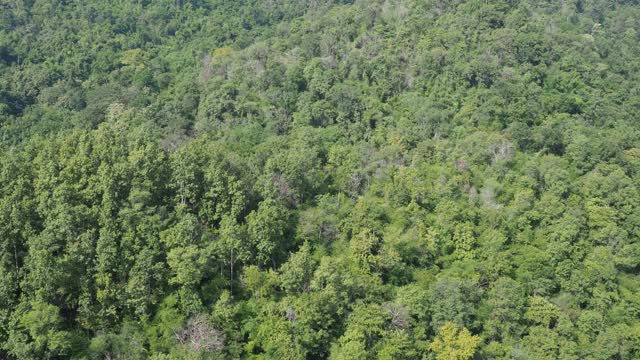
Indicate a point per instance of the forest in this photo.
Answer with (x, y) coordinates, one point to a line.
(319, 179)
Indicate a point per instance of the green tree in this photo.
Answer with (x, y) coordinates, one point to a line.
(267, 228)
(297, 272)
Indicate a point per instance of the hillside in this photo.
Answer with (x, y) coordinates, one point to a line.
(315, 179)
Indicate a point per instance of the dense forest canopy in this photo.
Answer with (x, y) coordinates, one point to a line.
(316, 179)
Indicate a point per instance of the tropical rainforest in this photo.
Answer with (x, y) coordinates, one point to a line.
(316, 179)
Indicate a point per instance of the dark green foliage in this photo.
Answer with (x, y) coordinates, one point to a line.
(304, 179)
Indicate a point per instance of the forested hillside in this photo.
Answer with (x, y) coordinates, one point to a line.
(315, 179)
